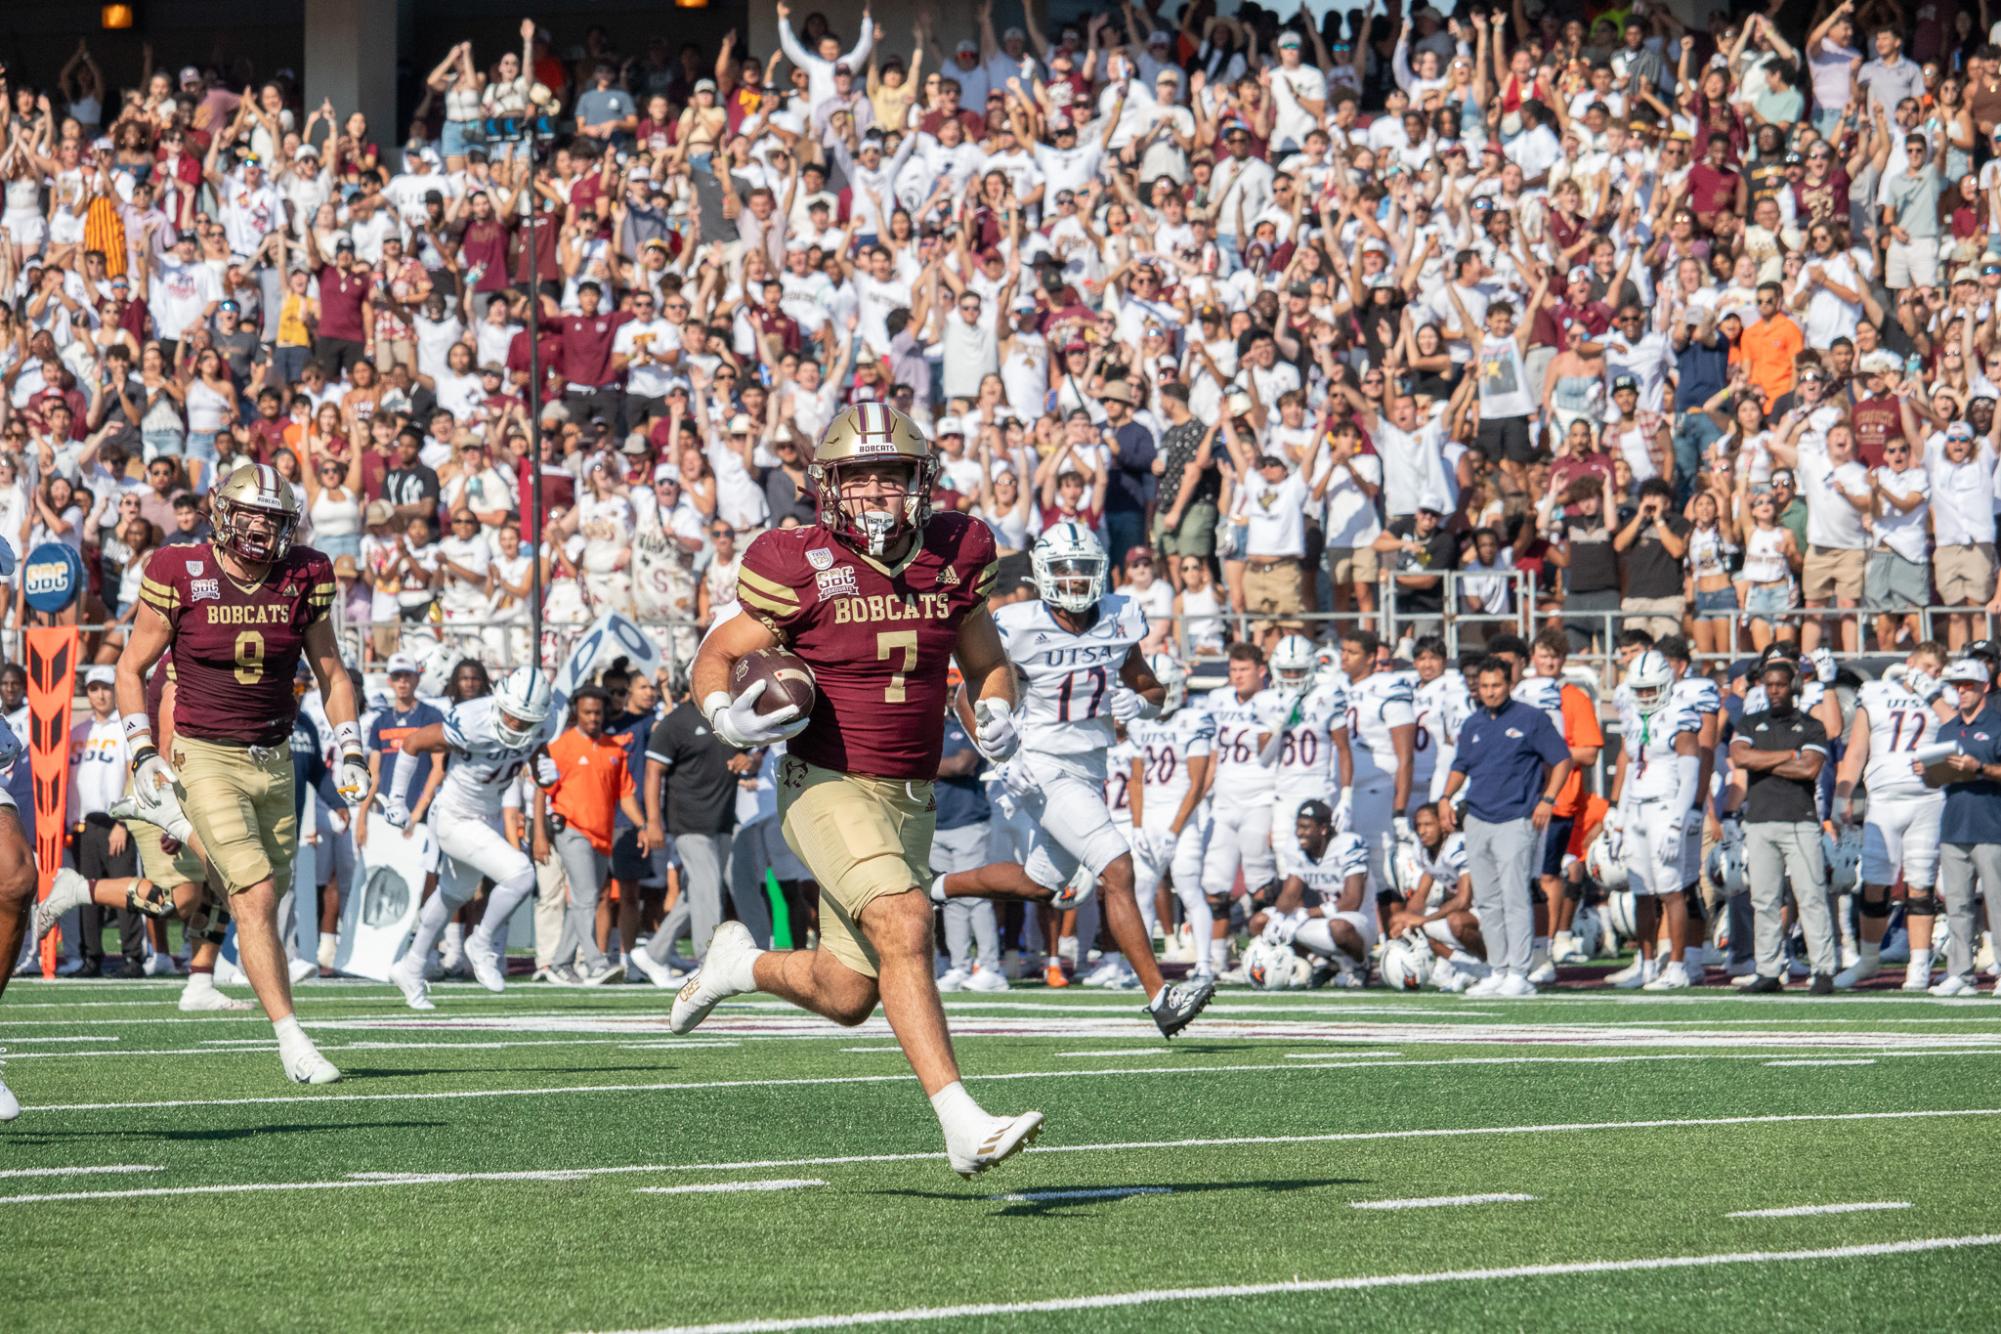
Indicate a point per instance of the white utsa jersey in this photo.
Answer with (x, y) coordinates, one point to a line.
(479, 767)
(1118, 782)
(1545, 693)
(1697, 693)
(1441, 705)
(1899, 722)
(1810, 695)
(1242, 776)
(1327, 875)
(1066, 710)
(1306, 748)
(1165, 746)
(1650, 754)
(1376, 704)
(1445, 866)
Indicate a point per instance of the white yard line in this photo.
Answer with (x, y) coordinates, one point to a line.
(1855, 1061)
(1096, 1193)
(1337, 1055)
(879, 1050)
(1127, 1051)
(729, 1187)
(1814, 1210)
(1299, 1287)
(117, 1169)
(1442, 1201)
(249, 1188)
(11, 1041)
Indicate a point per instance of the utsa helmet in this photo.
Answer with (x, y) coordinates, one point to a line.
(256, 512)
(1068, 565)
(521, 705)
(864, 435)
(1650, 681)
(1294, 663)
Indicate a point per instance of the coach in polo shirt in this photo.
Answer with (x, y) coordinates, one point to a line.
(1777, 756)
(1512, 763)
(1970, 829)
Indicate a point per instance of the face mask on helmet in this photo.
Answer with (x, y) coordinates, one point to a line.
(256, 535)
(1293, 663)
(873, 523)
(1073, 583)
(521, 706)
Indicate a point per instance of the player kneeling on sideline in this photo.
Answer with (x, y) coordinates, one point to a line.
(1320, 908)
(1078, 649)
(487, 740)
(1437, 904)
(876, 597)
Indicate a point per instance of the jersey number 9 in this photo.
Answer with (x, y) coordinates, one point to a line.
(249, 657)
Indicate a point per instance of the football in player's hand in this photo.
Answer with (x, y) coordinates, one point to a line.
(787, 678)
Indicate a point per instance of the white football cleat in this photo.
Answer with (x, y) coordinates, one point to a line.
(1673, 977)
(1917, 977)
(303, 970)
(303, 1062)
(659, 974)
(1861, 971)
(1566, 948)
(1513, 986)
(1105, 974)
(70, 891)
(488, 968)
(987, 979)
(408, 975)
(10, 1107)
(161, 964)
(1489, 985)
(953, 979)
(1955, 984)
(1000, 1139)
(209, 1000)
(710, 985)
(1542, 968)
(1632, 978)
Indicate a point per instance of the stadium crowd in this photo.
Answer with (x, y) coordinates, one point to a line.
(1614, 328)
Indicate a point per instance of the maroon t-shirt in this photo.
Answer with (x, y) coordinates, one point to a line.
(551, 353)
(586, 342)
(485, 246)
(1875, 420)
(1710, 189)
(341, 295)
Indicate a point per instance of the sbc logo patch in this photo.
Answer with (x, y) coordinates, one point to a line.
(204, 590)
(838, 583)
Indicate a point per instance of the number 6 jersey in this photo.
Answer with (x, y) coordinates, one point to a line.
(236, 647)
(1066, 710)
(878, 637)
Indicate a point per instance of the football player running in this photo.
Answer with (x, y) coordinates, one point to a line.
(1242, 780)
(238, 612)
(1170, 815)
(878, 596)
(486, 743)
(1078, 651)
(1321, 908)
(1437, 890)
(1309, 745)
(1382, 729)
(1894, 716)
(1656, 793)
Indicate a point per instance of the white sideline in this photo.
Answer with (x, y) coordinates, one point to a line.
(729, 1187)
(1811, 1210)
(1359, 1283)
(113, 1169)
(1091, 1193)
(1442, 1201)
(1857, 1061)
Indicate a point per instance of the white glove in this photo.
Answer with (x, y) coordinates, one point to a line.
(1614, 822)
(1823, 666)
(156, 801)
(1128, 705)
(1344, 810)
(738, 722)
(1401, 828)
(994, 736)
(393, 810)
(545, 770)
(351, 777)
(1279, 930)
(1922, 684)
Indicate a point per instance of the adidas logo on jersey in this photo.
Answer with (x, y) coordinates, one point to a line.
(948, 578)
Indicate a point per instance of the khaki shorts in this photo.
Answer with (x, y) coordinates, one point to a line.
(1659, 617)
(1965, 574)
(1273, 589)
(1195, 535)
(1833, 572)
(861, 839)
(239, 800)
(1353, 565)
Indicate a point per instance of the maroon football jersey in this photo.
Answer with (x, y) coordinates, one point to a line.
(236, 648)
(878, 638)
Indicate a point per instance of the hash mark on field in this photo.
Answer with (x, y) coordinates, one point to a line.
(1096, 1193)
(1809, 1210)
(1830, 1062)
(1358, 1283)
(729, 1187)
(1129, 1051)
(1442, 1201)
(118, 1169)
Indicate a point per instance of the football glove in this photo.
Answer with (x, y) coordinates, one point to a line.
(737, 721)
(994, 736)
(351, 777)
(1280, 929)
(1344, 810)
(1400, 827)
(154, 798)
(1130, 704)
(1823, 666)
(393, 810)
(1922, 684)
(545, 770)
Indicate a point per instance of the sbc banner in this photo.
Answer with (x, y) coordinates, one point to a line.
(51, 652)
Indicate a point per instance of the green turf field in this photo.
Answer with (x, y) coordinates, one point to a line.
(554, 1160)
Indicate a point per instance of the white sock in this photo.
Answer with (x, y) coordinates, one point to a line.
(1921, 960)
(956, 1109)
(1112, 958)
(455, 934)
(938, 889)
(200, 984)
(1219, 955)
(432, 919)
(288, 1029)
(1872, 953)
(743, 973)
(500, 905)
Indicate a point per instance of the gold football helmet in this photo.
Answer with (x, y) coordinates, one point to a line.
(869, 435)
(256, 512)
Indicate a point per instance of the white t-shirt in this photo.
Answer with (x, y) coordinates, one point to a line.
(1903, 531)
(1277, 514)
(1351, 519)
(1831, 522)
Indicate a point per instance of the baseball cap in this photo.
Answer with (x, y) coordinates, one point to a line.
(740, 424)
(402, 663)
(1580, 273)
(949, 426)
(189, 72)
(705, 85)
(968, 48)
(1970, 670)
(101, 676)
(1434, 502)
(1288, 39)
(1959, 431)
(1315, 809)
(666, 472)
(1625, 382)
